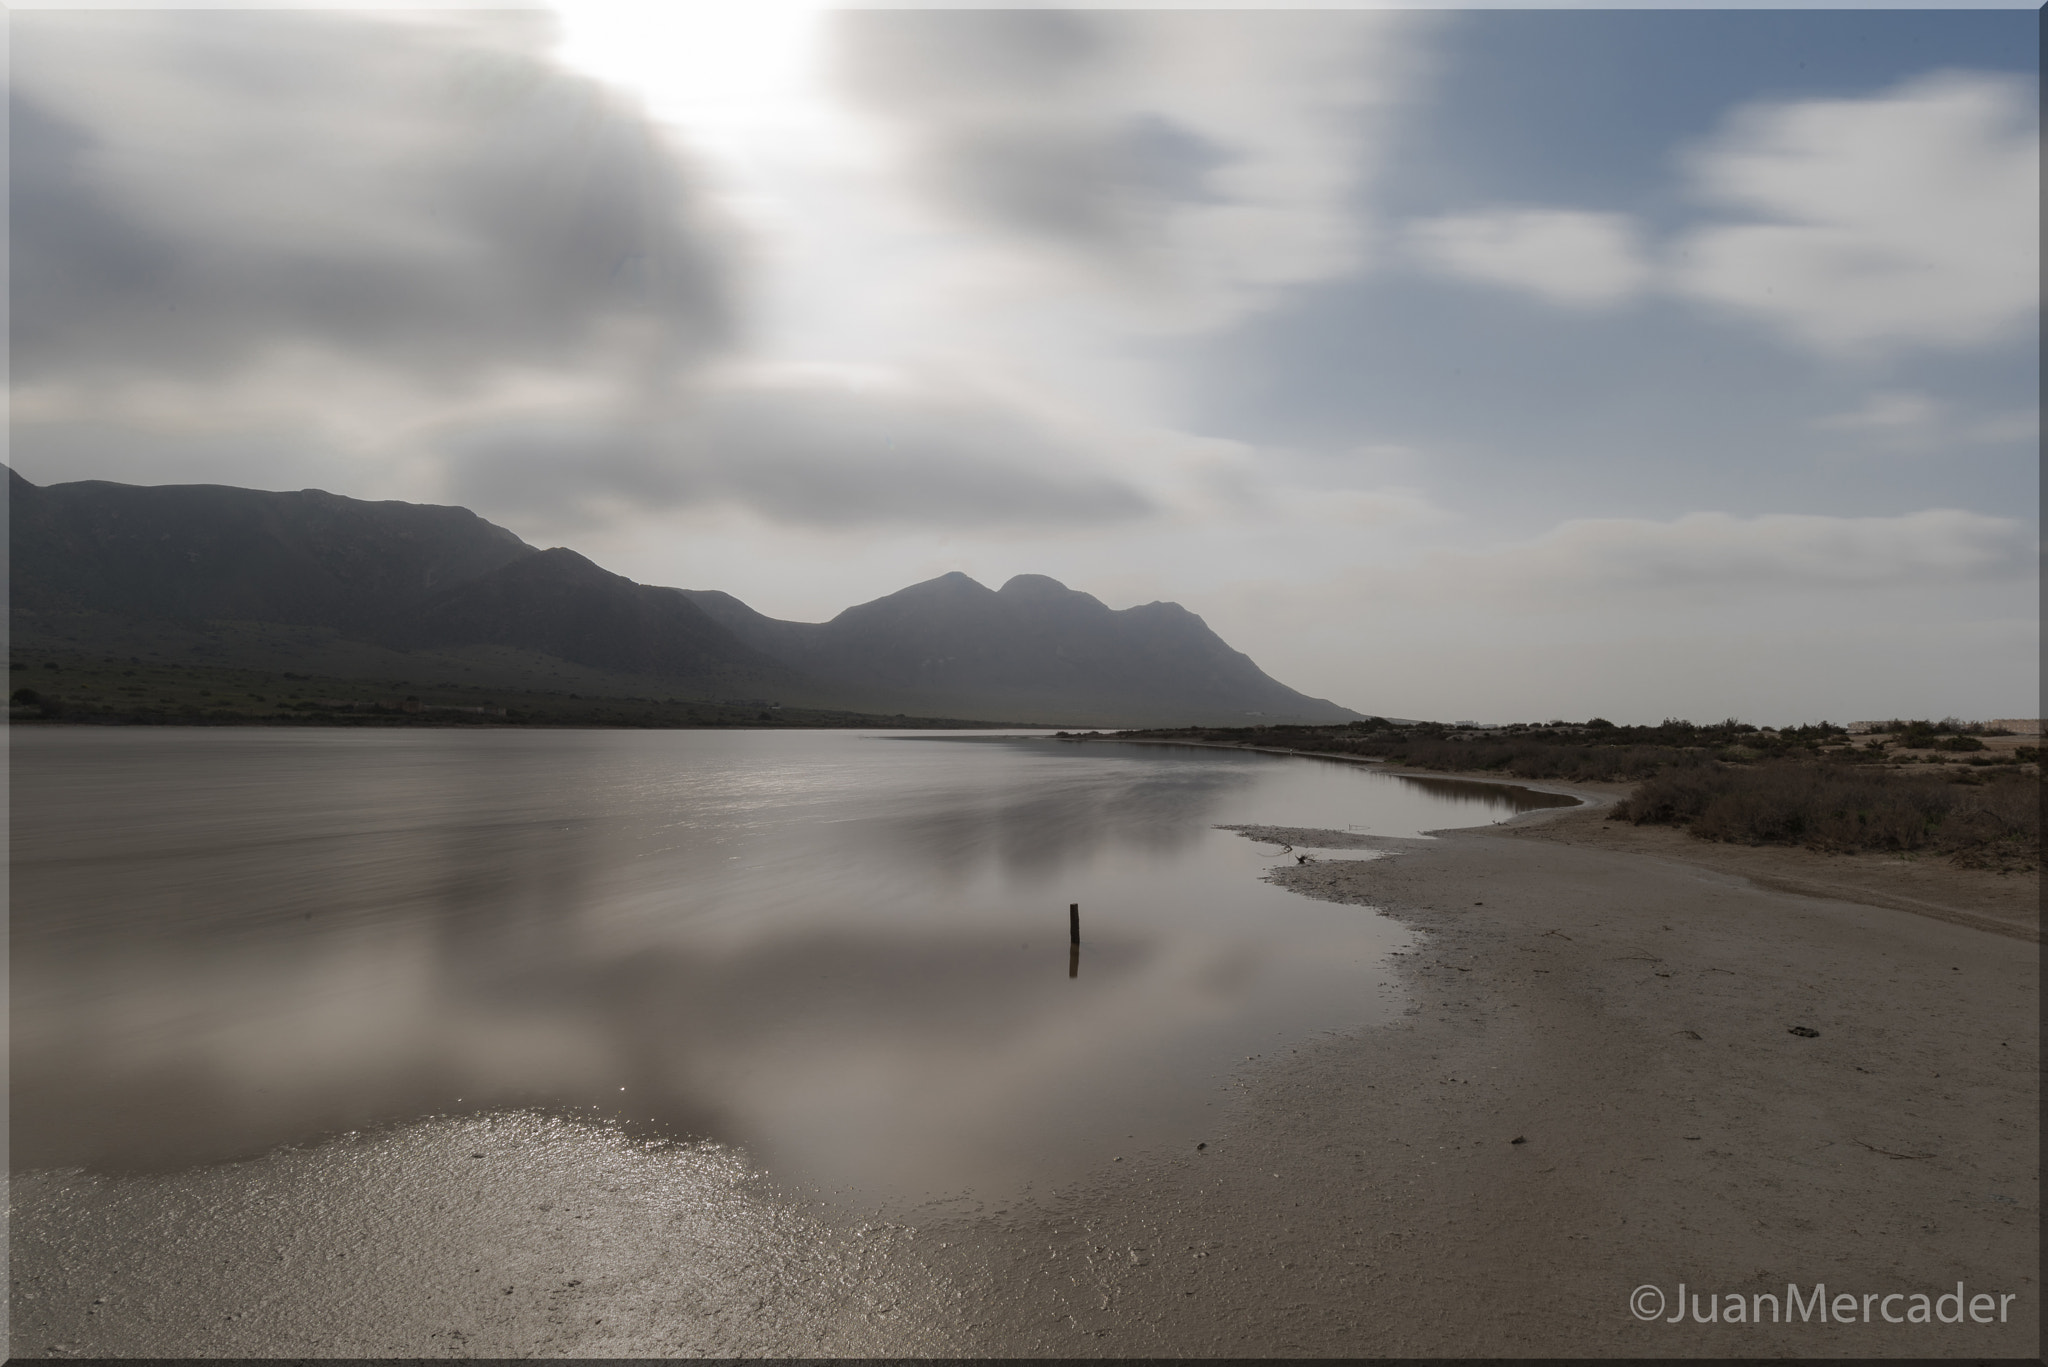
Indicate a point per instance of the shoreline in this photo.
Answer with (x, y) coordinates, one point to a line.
(2002, 903)
(1628, 1017)
(2007, 904)
(1626, 1013)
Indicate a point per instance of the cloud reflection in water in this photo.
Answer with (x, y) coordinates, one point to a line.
(843, 953)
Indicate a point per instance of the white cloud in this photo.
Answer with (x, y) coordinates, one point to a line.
(413, 254)
(1908, 421)
(1781, 617)
(1178, 168)
(1907, 218)
(194, 193)
(1376, 509)
(1885, 412)
(1709, 559)
(1779, 550)
(806, 446)
(1581, 260)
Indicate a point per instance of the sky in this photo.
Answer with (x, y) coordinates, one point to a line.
(1469, 364)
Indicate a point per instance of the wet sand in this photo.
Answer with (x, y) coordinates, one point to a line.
(1623, 1008)
(1368, 1198)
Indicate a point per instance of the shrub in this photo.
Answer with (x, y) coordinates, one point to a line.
(1994, 824)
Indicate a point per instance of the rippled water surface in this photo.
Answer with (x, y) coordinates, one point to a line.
(846, 954)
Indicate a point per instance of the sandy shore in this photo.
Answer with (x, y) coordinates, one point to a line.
(1620, 1002)
(1627, 1015)
(2007, 904)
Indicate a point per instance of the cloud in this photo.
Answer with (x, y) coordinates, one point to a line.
(2020, 425)
(1703, 562)
(801, 447)
(427, 198)
(1568, 257)
(1887, 412)
(1190, 165)
(1377, 509)
(1779, 617)
(1905, 420)
(1907, 218)
(1713, 552)
(255, 456)
(264, 244)
(1780, 547)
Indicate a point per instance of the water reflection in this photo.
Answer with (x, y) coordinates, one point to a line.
(1501, 797)
(821, 946)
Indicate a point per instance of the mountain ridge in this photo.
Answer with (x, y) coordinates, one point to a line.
(94, 561)
(1032, 644)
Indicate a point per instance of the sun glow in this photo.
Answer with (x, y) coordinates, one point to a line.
(725, 74)
(744, 90)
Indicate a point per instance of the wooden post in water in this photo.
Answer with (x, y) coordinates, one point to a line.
(1074, 923)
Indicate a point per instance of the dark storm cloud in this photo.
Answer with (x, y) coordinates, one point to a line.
(819, 455)
(192, 189)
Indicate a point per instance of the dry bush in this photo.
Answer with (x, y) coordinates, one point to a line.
(1538, 760)
(1829, 807)
(1803, 785)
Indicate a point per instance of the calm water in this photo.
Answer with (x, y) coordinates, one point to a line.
(845, 953)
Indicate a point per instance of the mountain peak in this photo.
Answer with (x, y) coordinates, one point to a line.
(400, 576)
(951, 585)
(1032, 585)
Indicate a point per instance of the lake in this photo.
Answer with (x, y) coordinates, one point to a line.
(842, 954)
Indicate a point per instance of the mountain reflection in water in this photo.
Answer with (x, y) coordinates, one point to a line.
(840, 952)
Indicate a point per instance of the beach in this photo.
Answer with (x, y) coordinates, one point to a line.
(1594, 1085)
(1628, 1016)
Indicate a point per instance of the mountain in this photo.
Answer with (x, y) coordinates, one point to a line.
(1032, 648)
(315, 580)
(406, 577)
(199, 551)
